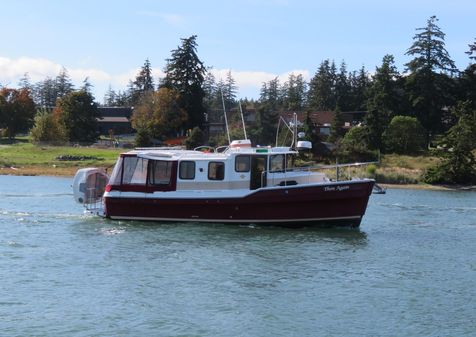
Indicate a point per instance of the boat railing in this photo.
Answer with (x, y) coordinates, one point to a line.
(93, 202)
(284, 175)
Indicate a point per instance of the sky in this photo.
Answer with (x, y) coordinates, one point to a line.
(257, 40)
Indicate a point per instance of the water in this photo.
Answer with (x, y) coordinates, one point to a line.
(409, 271)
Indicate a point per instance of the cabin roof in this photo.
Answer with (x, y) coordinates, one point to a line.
(181, 154)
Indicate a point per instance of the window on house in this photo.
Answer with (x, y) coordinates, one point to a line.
(216, 171)
(242, 163)
(187, 170)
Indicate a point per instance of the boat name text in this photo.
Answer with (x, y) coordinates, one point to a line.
(336, 188)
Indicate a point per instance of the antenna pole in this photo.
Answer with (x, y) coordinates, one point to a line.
(242, 120)
(226, 119)
(294, 144)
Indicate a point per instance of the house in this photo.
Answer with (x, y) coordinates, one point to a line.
(322, 120)
(114, 119)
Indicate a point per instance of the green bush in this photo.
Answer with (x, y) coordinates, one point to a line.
(371, 170)
(404, 135)
(395, 178)
(47, 130)
(194, 139)
(143, 138)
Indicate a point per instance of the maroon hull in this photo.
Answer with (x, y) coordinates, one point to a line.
(339, 203)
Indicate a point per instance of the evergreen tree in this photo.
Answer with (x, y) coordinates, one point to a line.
(310, 130)
(383, 101)
(110, 97)
(321, 94)
(270, 95)
(186, 74)
(77, 113)
(458, 164)
(87, 85)
(63, 83)
(45, 93)
(468, 78)
(142, 84)
(122, 99)
(360, 84)
(342, 89)
(428, 83)
(25, 83)
(264, 130)
(337, 127)
(230, 90)
(210, 89)
(471, 51)
(295, 93)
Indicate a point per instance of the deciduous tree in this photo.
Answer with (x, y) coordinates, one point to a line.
(47, 129)
(17, 110)
(159, 113)
(404, 135)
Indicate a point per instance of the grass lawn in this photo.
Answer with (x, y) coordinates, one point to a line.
(24, 158)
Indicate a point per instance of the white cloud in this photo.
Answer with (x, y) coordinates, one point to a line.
(11, 70)
(249, 81)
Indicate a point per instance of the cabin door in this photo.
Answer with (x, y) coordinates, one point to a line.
(258, 172)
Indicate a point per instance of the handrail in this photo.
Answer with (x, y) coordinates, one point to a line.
(205, 147)
(219, 149)
(310, 169)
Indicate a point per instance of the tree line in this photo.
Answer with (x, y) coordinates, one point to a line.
(405, 112)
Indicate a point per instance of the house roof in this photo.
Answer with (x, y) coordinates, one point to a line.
(108, 111)
(113, 120)
(323, 117)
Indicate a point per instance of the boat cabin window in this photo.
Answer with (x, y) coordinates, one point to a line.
(290, 162)
(160, 172)
(187, 170)
(135, 171)
(116, 174)
(216, 170)
(242, 163)
(276, 163)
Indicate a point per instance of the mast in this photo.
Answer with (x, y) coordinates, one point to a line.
(294, 131)
(242, 120)
(226, 119)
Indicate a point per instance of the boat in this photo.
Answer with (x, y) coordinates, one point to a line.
(379, 189)
(240, 184)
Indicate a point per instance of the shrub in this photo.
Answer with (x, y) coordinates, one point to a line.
(371, 170)
(194, 139)
(404, 135)
(47, 129)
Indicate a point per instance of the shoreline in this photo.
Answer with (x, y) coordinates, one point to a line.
(69, 172)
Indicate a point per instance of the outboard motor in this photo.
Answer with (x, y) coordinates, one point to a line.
(88, 187)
